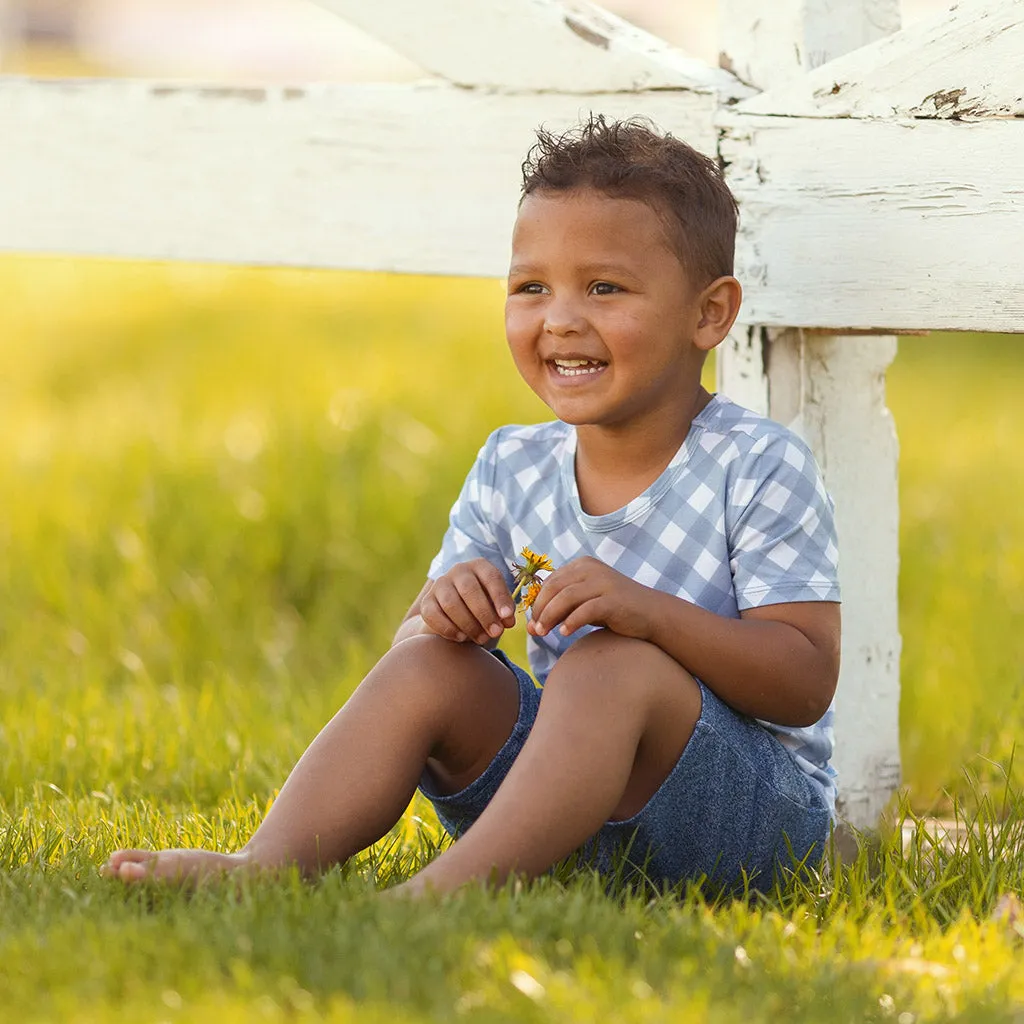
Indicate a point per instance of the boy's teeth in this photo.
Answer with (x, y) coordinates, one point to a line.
(574, 367)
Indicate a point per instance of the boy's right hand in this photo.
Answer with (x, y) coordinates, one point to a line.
(469, 602)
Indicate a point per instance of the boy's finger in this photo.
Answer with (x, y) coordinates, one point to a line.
(450, 601)
(551, 588)
(492, 580)
(500, 596)
(434, 616)
(478, 600)
(551, 608)
(498, 590)
(582, 615)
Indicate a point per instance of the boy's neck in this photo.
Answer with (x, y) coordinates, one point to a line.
(615, 465)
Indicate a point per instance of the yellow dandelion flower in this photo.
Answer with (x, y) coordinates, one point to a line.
(536, 563)
(532, 564)
(525, 575)
(531, 595)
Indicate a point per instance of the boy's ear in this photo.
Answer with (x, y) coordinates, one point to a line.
(719, 305)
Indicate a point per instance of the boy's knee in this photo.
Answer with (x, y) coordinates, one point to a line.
(442, 670)
(426, 648)
(608, 667)
(431, 658)
(607, 655)
(467, 697)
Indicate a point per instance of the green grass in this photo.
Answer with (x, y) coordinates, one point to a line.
(956, 400)
(221, 488)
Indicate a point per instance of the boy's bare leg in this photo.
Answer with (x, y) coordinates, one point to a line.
(428, 702)
(614, 719)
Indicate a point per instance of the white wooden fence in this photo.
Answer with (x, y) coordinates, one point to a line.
(880, 176)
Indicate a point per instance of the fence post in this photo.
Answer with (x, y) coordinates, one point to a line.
(7, 30)
(830, 389)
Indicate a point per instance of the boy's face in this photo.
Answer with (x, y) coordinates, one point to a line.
(601, 314)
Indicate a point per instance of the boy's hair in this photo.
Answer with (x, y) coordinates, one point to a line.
(630, 160)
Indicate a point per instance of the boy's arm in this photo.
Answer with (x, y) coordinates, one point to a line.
(779, 663)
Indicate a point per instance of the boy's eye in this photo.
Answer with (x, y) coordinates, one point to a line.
(530, 288)
(604, 288)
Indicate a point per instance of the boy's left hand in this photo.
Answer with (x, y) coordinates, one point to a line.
(586, 592)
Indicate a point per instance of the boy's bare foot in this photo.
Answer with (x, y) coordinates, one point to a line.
(181, 866)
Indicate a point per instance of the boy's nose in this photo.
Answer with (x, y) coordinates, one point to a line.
(562, 319)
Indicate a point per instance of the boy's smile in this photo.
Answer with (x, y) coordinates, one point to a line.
(602, 319)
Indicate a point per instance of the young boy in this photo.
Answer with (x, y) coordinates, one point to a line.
(688, 636)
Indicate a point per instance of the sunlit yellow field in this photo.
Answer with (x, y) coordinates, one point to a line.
(214, 474)
(220, 488)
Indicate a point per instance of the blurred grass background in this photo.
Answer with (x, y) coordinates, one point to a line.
(221, 487)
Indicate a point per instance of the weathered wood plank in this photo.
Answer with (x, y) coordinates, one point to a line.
(830, 389)
(966, 63)
(844, 226)
(765, 47)
(546, 45)
(401, 178)
(855, 224)
(740, 367)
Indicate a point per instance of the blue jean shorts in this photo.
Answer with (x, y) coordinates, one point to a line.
(733, 810)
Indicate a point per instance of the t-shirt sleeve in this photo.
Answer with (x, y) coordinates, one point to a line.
(471, 529)
(781, 527)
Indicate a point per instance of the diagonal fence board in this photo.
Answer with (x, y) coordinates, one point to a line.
(528, 45)
(799, 35)
(398, 178)
(965, 63)
(855, 224)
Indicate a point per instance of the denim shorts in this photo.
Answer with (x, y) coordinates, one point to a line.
(733, 810)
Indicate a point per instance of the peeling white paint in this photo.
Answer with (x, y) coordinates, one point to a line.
(967, 63)
(421, 179)
(831, 390)
(767, 47)
(851, 224)
(740, 368)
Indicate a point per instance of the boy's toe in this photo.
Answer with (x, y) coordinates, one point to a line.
(132, 871)
(128, 865)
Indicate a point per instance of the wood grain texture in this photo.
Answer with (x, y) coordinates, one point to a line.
(525, 45)
(831, 391)
(766, 48)
(846, 223)
(740, 368)
(879, 226)
(422, 179)
(964, 64)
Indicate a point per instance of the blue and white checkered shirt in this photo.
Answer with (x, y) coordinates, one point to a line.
(739, 519)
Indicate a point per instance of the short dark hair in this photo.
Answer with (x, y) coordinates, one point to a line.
(631, 160)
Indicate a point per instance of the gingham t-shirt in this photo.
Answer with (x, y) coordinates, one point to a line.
(739, 519)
